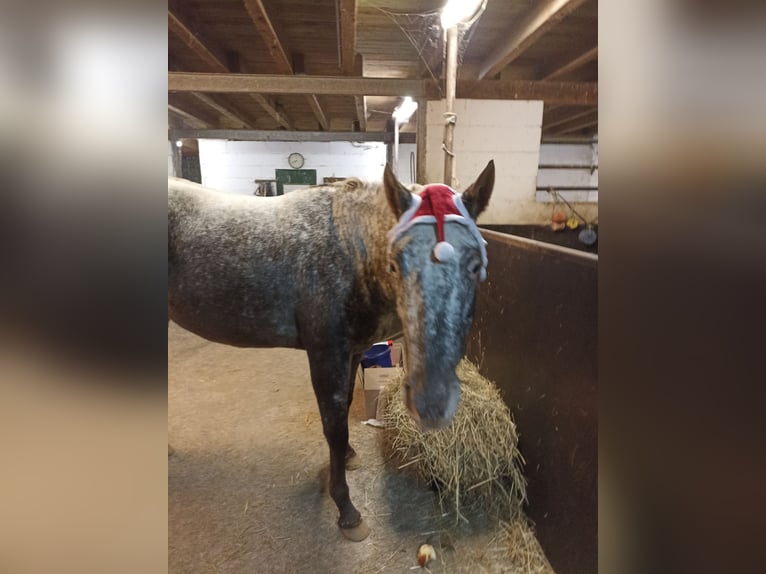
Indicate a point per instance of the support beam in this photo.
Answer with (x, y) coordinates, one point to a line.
(224, 110)
(565, 93)
(567, 119)
(557, 70)
(347, 40)
(421, 141)
(578, 126)
(273, 84)
(360, 101)
(274, 110)
(318, 113)
(187, 116)
(185, 26)
(300, 70)
(285, 136)
(541, 18)
(268, 32)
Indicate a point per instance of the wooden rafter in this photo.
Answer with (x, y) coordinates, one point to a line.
(318, 113)
(268, 31)
(279, 53)
(223, 109)
(578, 126)
(571, 64)
(187, 116)
(184, 25)
(572, 123)
(348, 17)
(530, 29)
(274, 110)
(566, 119)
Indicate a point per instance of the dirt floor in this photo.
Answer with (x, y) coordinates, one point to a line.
(247, 481)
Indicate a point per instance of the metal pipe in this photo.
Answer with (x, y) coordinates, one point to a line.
(396, 148)
(449, 114)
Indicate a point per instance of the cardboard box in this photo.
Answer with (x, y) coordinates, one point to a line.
(375, 378)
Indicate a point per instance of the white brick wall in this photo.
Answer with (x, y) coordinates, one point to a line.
(508, 132)
(232, 166)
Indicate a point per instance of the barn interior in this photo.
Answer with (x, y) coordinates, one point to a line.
(269, 96)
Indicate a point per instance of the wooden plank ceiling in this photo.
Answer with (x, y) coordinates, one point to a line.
(518, 49)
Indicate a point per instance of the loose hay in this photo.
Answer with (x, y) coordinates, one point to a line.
(475, 462)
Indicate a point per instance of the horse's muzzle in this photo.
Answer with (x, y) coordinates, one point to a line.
(434, 408)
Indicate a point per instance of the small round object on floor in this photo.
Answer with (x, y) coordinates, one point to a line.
(357, 533)
(426, 553)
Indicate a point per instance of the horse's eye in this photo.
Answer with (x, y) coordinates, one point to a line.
(475, 268)
(393, 268)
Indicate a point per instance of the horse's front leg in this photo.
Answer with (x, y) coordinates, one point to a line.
(330, 376)
(353, 461)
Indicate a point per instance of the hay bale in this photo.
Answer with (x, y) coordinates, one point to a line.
(475, 462)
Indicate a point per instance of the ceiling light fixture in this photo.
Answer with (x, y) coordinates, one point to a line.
(403, 112)
(455, 12)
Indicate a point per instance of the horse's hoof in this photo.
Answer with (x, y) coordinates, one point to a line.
(357, 533)
(353, 462)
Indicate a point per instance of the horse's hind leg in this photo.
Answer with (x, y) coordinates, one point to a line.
(353, 461)
(330, 376)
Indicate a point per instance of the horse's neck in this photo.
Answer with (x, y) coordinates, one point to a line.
(372, 219)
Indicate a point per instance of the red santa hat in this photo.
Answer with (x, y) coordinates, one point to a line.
(438, 203)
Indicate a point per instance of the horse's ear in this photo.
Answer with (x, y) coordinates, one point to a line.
(399, 197)
(476, 197)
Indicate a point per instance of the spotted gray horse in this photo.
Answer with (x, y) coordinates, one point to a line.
(333, 269)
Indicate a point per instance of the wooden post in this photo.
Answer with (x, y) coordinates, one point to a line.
(421, 141)
(390, 144)
(449, 113)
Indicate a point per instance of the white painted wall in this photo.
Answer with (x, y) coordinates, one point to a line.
(232, 166)
(508, 131)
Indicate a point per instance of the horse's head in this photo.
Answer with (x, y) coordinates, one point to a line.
(437, 257)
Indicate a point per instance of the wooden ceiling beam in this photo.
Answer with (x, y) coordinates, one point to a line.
(272, 108)
(268, 31)
(187, 116)
(564, 93)
(577, 127)
(318, 113)
(182, 23)
(566, 119)
(530, 29)
(571, 64)
(573, 123)
(278, 84)
(348, 17)
(224, 110)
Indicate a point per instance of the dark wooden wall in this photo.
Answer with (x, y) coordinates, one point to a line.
(535, 335)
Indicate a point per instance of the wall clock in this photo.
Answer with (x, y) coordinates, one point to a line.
(295, 160)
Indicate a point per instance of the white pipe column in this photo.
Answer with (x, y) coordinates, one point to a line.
(449, 115)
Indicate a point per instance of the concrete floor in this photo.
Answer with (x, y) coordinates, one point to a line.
(247, 482)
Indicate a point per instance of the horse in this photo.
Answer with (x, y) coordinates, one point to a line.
(332, 269)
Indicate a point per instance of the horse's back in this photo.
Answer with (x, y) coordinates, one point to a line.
(242, 267)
